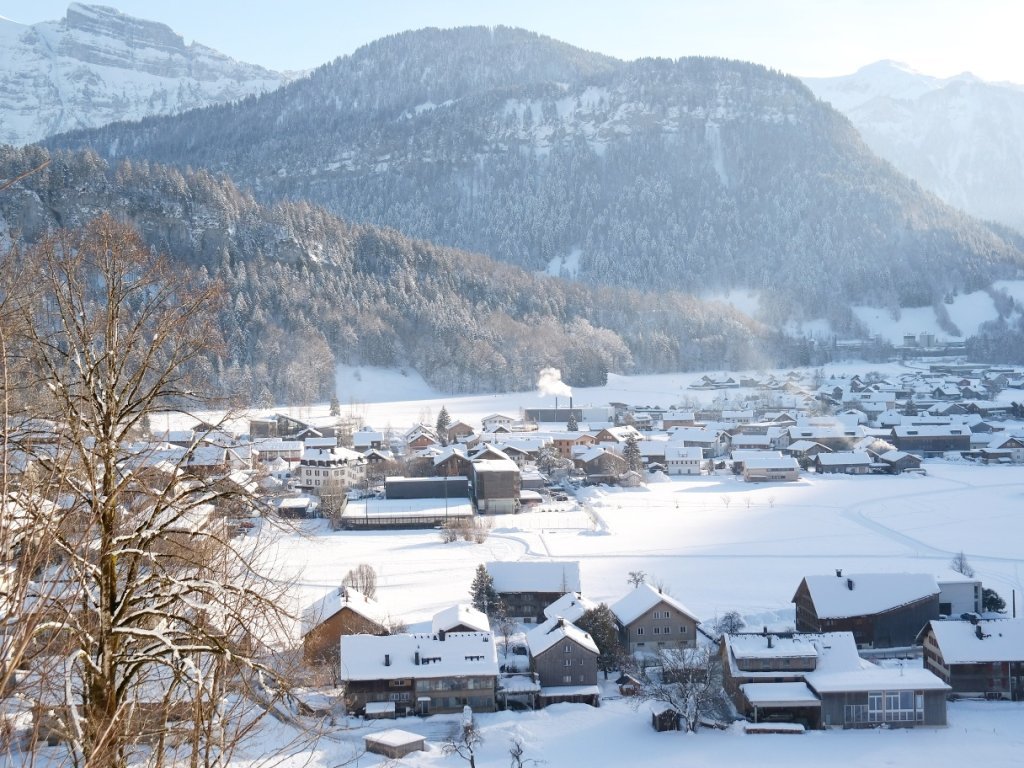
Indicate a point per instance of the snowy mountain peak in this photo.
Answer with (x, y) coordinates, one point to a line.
(98, 65)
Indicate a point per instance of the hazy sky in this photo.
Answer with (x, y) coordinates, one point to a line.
(801, 37)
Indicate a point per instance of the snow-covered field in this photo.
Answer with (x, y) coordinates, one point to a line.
(717, 544)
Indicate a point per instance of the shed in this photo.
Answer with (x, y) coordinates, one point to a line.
(378, 710)
(394, 743)
(664, 718)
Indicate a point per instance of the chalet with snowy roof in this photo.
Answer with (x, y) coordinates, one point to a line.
(490, 423)
(288, 450)
(843, 463)
(496, 486)
(459, 432)
(422, 673)
(364, 439)
(897, 462)
(676, 418)
(452, 461)
(835, 436)
(459, 618)
(683, 460)
(342, 611)
(565, 442)
(569, 606)
(883, 610)
(617, 435)
(819, 680)
(601, 465)
(527, 588)
(712, 442)
(420, 436)
(745, 442)
(653, 451)
(805, 450)
(1004, 449)
(983, 658)
(650, 620)
(564, 658)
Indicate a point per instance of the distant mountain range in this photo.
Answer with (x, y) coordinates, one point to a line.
(960, 137)
(97, 65)
(700, 175)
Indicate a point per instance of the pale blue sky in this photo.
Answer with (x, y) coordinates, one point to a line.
(801, 37)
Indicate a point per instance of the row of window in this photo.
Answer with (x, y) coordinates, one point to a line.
(567, 679)
(661, 630)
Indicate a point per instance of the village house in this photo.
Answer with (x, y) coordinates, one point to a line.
(564, 658)
(342, 611)
(459, 432)
(768, 469)
(527, 588)
(461, 617)
(883, 610)
(931, 441)
(326, 469)
(843, 462)
(818, 680)
(649, 620)
(601, 465)
(422, 673)
(569, 606)
(983, 658)
(712, 442)
(683, 460)
(496, 486)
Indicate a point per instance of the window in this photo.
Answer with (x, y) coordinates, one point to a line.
(566, 662)
(567, 648)
(639, 630)
(657, 630)
(567, 679)
(682, 630)
(666, 630)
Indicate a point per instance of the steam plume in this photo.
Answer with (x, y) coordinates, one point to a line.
(550, 383)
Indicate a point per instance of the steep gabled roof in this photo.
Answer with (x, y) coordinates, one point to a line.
(553, 631)
(557, 576)
(641, 600)
(1000, 640)
(337, 599)
(866, 594)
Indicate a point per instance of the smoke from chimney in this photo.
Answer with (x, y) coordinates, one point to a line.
(550, 384)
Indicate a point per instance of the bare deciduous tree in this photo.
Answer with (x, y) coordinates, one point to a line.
(960, 565)
(362, 578)
(147, 627)
(688, 680)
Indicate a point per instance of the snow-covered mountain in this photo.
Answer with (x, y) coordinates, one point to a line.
(960, 137)
(97, 65)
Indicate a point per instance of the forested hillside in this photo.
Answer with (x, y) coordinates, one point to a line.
(696, 174)
(307, 290)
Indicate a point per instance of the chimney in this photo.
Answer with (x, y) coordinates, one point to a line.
(839, 573)
(387, 659)
(416, 658)
(978, 632)
(849, 584)
(440, 635)
(769, 641)
(764, 630)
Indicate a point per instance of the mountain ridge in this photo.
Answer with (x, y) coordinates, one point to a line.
(98, 65)
(695, 174)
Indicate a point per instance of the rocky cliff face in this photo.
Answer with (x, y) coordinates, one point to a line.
(98, 66)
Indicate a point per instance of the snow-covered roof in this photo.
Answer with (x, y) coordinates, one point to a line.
(553, 631)
(683, 453)
(1001, 640)
(780, 695)
(343, 597)
(495, 465)
(844, 458)
(569, 606)
(418, 656)
(865, 594)
(783, 462)
(803, 445)
(393, 737)
(461, 614)
(641, 600)
(555, 576)
(749, 646)
(875, 678)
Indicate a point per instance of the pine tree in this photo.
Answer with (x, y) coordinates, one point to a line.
(599, 623)
(571, 425)
(482, 592)
(335, 406)
(631, 453)
(443, 422)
